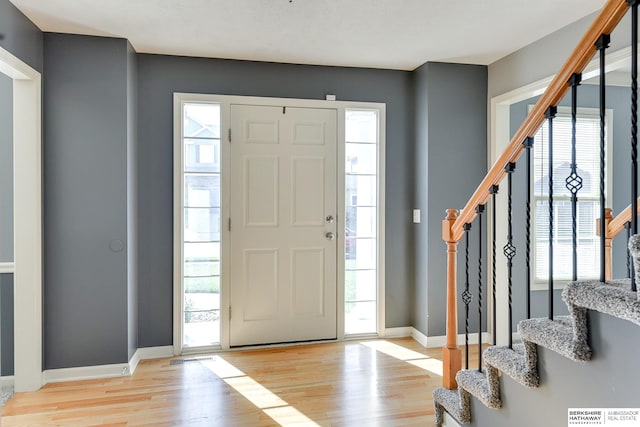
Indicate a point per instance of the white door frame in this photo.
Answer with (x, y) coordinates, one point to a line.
(225, 102)
(499, 138)
(27, 214)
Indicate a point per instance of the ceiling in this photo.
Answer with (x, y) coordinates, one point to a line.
(391, 34)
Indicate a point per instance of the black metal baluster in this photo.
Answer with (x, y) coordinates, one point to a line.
(493, 191)
(602, 44)
(628, 227)
(634, 124)
(528, 143)
(574, 181)
(510, 250)
(480, 210)
(550, 114)
(466, 296)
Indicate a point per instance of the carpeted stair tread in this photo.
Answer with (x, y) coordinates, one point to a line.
(565, 337)
(519, 362)
(564, 320)
(483, 385)
(456, 402)
(613, 297)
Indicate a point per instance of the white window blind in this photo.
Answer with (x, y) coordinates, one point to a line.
(588, 168)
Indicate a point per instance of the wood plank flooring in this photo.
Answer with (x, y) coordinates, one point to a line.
(354, 383)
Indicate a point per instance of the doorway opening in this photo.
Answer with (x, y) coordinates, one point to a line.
(27, 225)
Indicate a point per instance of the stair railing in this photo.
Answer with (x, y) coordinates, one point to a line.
(613, 226)
(457, 223)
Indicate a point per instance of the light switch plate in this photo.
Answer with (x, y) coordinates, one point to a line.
(416, 216)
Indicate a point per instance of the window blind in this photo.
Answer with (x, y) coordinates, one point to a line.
(588, 167)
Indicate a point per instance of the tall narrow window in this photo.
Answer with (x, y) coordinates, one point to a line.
(361, 233)
(588, 163)
(201, 219)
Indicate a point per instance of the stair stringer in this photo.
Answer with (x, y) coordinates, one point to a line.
(566, 335)
(520, 363)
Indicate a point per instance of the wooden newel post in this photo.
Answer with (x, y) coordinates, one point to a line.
(608, 269)
(451, 354)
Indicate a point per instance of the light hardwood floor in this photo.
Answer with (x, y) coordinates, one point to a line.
(354, 383)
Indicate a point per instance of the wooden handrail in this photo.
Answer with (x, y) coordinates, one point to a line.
(453, 225)
(617, 224)
(605, 22)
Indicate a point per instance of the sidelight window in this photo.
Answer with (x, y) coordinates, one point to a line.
(361, 231)
(201, 219)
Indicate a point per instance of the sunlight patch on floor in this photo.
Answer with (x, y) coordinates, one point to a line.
(272, 405)
(428, 364)
(222, 368)
(420, 360)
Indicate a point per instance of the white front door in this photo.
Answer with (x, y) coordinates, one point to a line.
(283, 227)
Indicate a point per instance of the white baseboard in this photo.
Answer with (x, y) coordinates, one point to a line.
(85, 373)
(106, 371)
(434, 342)
(6, 381)
(406, 331)
(441, 340)
(419, 336)
(401, 332)
(146, 353)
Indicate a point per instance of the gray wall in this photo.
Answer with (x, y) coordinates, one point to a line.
(21, 37)
(607, 381)
(6, 169)
(86, 148)
(6, 324)
(160, 76)
(451, 152)
(544, 57)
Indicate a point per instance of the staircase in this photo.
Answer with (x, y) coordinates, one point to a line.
(567, 336)
(582, 360)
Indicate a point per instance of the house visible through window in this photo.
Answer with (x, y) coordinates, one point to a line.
(361, 233)
(201, 233)
(588, 167)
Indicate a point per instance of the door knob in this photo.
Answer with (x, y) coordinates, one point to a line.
(330, 219)
(330, 235)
